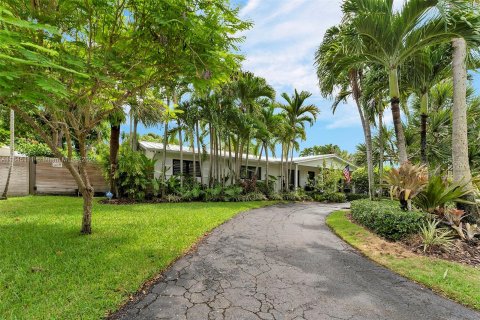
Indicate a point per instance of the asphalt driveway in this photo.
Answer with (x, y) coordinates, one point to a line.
(282, 262)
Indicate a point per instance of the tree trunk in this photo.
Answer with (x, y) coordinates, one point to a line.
(423, 127)
(282, 172)
(354, 83)
(12, 154)
(460, 163)
(134, 136)
(397, 120)
(192, 141)
(199, 147)
(266, 165)
(180, 141)
(164, 161)
(114, 147)
(87, 195)
(381, 152)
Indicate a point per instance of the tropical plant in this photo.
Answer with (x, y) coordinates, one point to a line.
(433, 236)
(135, 174)
(406, 182)
(438, 193)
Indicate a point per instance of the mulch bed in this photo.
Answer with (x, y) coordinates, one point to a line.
(461, 252)
(124, 201)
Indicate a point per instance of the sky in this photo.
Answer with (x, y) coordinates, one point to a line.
(280, 47)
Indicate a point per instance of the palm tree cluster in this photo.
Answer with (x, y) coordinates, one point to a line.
(415, 61)
(233, 125)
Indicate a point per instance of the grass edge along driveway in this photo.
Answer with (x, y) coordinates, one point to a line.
(49, 271)
(453, 280)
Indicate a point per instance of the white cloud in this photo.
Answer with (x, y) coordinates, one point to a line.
(281, 47)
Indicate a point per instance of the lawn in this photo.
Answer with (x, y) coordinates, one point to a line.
(454, 280)
(49, 271)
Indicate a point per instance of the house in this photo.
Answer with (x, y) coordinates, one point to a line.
(304, 168)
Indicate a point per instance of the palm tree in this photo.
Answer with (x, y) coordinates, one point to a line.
(297, 114)
(422, 72)
(347, 77)
(12, 154)
(389, 37)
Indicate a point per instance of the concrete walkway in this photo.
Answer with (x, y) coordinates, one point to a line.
(283, 262)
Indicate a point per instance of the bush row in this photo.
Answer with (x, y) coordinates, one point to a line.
(386, 219)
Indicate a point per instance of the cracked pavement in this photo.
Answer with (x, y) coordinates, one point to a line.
(283, 262)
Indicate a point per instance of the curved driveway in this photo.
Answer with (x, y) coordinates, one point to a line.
(282, 262)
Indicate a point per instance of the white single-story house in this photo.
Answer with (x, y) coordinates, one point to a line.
(305, 168)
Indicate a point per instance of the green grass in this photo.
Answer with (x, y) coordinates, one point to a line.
(453, 280)
(49, 271)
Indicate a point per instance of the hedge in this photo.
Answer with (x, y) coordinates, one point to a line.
(386, 219)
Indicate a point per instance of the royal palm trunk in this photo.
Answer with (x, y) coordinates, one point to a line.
(460, 161)
(396, 115)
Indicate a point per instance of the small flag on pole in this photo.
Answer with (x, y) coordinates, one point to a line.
(346, 174)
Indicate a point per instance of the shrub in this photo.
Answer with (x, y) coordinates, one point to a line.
(356, 196)
(291, 196)
(433, 236)
(333, 197)
(253, 196)
(135, 175)
(232, 193)
(172, 198)
(194, 194)
(360, 180)
(275, 196)
(214, 194)
(262, 187)
(386, 219)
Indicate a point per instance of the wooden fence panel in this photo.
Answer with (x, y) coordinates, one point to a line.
(52, 177)
(19, 180)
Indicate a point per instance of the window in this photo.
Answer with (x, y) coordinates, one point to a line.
(187, 167)
(311, 175)
(248, 174)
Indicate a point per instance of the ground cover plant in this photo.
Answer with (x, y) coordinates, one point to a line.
(49, 271)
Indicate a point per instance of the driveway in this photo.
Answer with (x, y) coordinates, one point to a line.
(282, 262)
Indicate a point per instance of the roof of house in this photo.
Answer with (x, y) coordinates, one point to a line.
(158, 147)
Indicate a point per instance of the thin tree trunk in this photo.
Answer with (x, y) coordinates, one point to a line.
(397, 120)
(423, 127)
(180, 141)
(266, 165)
(354, 82)
(134, 136)
(282, 169)
(460, 161)
(199, 147)
(210, 173)
(230, 164)
(258, 163)
(114, 147)
(164, 161)
(12, 153)
(87, 189)
(192, 141)
(381, 151)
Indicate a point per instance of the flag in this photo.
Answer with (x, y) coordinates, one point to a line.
(346, 174)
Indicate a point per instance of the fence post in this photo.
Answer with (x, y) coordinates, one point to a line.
(32, 175)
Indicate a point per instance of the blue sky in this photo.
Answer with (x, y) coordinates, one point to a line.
(280, 47)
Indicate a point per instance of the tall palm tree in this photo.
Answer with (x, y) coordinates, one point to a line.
(347, 77)
(12, 154)
(389, 37)
(297, 114)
